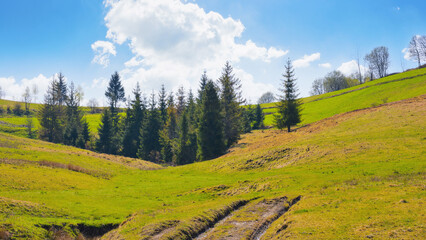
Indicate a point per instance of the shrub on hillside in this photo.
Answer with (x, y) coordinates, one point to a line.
(17, 110)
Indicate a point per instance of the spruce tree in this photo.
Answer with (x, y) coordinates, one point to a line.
(191, 108)
(105, 142)
(51, 116)
(166, 146)
(203, 82)
(258, 117)
(135, 117)
(246, 120)
(210, 132)
(289, 106)
(181, 101)
(73, 116)
(171, 124)
(84, 137)
(169, 134)
(230, 94)
(183, 151)
(150, 148)
(115, 94)
(60, 90)
(162, 104)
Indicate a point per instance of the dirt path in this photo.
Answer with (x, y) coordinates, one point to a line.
(249, 222)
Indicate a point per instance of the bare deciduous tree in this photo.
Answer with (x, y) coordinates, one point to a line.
(267, 97)
(35, 92)
(26, 97)
(422, 44)
(415, 49)
(317, 87)
(93, 104)
(378, 61)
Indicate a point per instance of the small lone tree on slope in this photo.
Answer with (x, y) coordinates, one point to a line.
(288, 106)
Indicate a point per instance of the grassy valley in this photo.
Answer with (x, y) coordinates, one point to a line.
(341, 174)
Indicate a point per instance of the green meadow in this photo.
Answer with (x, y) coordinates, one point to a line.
(360, 174)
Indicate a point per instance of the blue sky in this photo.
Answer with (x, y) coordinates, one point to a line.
(172, 42)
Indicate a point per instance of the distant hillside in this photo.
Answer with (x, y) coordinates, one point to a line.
(388, 89)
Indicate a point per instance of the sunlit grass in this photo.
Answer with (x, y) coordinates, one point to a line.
(362, 96)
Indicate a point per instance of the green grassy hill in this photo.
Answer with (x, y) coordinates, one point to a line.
(358, 174)
(388, 89)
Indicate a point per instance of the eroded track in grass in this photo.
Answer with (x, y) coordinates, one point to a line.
(250, 221)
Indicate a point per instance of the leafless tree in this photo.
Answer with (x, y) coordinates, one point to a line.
(93, 104)
(378, 61)
(360, 78)
(26, 98)
(317, 87)
(415, 49)
(35, 92)
(267, 97)
(422, 44)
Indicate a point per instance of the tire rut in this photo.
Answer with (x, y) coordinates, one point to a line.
(250, 221)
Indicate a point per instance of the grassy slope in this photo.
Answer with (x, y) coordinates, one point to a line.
(376, 92)
(45, 183)
(372, 93)
(352, 170)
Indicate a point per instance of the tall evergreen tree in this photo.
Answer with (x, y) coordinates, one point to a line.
(191, 108)
(231, 98)
(210, 132)
(84, 137)
(246, 120)
(51, 116)
(203, 82)
(258, 117)
(183, 151)
(150, 148)
(162, 104)
(289, 106)
(166, 146)
(181, 101)
(135, 117)
(60, 90)
(115, 93)
(169, 134)
(73, 116)
(105, 143)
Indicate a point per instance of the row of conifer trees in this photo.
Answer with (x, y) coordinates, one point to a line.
(170, 128)
(177, 129)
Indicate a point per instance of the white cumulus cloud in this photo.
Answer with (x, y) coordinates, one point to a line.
(306, 60)
(173, 42)
(325, 65)
(13, 89)
(350, 67)
(103, 50)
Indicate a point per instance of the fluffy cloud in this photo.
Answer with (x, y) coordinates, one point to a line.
(173, 42)
(103, 50)
(13, 90)
(325, 65)
(406, 54)
(350, 67)
(306, 60)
